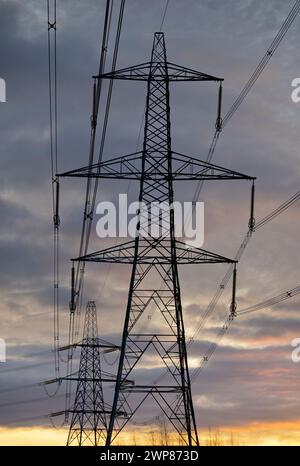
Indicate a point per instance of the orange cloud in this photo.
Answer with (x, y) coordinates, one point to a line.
(264, 434)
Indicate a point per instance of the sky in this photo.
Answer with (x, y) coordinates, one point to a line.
(249, 389)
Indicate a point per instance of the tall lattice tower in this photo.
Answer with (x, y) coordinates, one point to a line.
(155, 255)
(88, 422)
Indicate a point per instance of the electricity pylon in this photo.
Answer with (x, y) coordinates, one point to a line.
(155, 257)
(88, 422)
(89, 414)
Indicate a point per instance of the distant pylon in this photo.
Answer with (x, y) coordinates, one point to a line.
(88, 423)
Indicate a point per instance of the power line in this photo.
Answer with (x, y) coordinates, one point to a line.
(164, 15)
(282, 208)
(52, 85)
(29, 366)
(22, 387)
(222, 332)
(262, 305)
(25, 420)
(28, 401)
(249, 85)
(212, 348)
(91, 194)
(263, 62)
(264, 221)
(271, 301)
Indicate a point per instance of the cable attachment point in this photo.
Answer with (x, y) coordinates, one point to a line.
(94, 114)
(219, 120)
(51, 25)
(233, 304)
(56, 218)
(251, 224)
(88, 215)
(73, 293)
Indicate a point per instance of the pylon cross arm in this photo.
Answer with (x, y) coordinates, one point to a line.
(126, 167)
(155, 72)
(129, 167)
(125, 254)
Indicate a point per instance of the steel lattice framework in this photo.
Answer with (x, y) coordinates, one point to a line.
(155, 258)
(88, 423)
